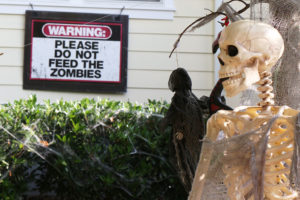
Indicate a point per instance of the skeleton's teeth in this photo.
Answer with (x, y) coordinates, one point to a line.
(232, 79)
(229, 74)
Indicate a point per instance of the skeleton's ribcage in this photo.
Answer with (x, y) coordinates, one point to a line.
(277, 164)
(278, 161)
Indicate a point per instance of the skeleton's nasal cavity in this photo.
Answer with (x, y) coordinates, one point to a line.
(221, 61)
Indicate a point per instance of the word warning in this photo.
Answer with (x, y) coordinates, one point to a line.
(76, 51)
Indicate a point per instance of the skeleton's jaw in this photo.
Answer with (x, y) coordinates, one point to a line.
(233, 83)
(231, 78)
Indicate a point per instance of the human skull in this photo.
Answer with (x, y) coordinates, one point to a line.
(247, 48)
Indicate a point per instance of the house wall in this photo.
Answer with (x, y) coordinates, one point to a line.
(149, 66)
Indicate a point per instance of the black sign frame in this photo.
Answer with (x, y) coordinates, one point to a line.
(119, 86)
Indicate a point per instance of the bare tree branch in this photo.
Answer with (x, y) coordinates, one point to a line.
(203, 21)
(206, 19)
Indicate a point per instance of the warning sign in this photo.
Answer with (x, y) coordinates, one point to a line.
(68, 51)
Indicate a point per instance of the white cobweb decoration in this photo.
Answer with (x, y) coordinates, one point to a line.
(284, 15)
(246, 152)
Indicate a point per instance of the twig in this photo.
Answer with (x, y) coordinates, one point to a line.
(189, 26)
(204, 20)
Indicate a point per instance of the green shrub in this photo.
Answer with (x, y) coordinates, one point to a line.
(85, 149)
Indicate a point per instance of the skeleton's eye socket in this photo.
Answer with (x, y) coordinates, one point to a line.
(232, 50)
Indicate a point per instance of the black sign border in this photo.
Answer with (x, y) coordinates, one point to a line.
(75, 86)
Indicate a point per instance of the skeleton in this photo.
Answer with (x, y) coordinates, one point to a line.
(248, 50)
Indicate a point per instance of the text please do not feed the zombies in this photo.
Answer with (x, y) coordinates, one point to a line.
(70, 51)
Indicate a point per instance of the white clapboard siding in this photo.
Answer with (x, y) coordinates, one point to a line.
(11, 56)
(12, 21)
(161, 61)
(192, 8)
(168, 27)
(136, 78)
(13, 92)
(135, 25)
(11, 38)
(164, 43)
(149, 65)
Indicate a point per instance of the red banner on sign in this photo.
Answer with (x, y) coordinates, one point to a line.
(77, 31)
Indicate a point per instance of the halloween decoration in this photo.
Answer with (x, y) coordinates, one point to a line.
(248, 153)
(216, 100)
(188, 115)
(247, 49)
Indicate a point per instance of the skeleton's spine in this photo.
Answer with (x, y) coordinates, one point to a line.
(266, 90)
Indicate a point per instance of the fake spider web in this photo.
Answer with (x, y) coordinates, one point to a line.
(244, 155)
(284, 15)
(243, 151)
